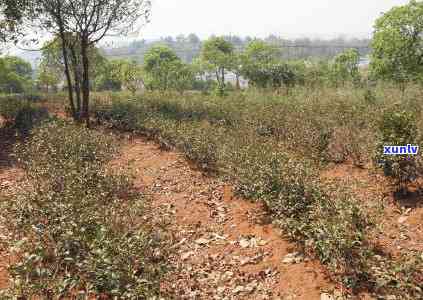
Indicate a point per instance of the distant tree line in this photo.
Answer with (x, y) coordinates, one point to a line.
(188, 47)
(72, 60)
(260, 63)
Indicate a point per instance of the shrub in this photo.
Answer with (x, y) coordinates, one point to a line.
(74, 221)
(21, 114)
(272, 147)
(398, 128)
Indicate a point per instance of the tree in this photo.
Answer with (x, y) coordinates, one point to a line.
(132, 76)
(80, 24)
(262, 66)
(182, 76)
(47, 78)
(237, 67)
(19, 66)
(15, 74)
(218, 53)
(259, 61)
(109, 76)
(345, 67)
(160, 64)
(398, 44)
(259, 53)
(53, 60)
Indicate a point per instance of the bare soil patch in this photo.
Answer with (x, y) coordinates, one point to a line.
(10, 175)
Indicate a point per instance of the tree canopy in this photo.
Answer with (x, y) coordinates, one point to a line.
(398, 44)
(218, 53)
(15, 74)
(79, 24)
(160, 63)
(345, 67)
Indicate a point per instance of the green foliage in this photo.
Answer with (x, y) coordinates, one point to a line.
(52, 61)
(182, 77)
(120, 74)
(110, 76)
(398, 128)
(132, 76)
(217, 54)
(262, 66)
(74, 221)
(397, 44)
(257, 58)
(259, 53)
(345, 67)
(15, 75)
(21, 114)
(160, 64)
(28, 117)
(47, 78)
(189, 47)
(271, 146)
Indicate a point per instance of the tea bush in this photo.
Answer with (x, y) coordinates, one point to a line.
(78, 228)
(21, 114)
(272, 147)
(398, 127)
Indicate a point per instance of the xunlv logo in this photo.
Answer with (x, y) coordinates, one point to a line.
(400, 150)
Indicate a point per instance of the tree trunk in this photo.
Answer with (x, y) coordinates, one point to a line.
(238, 86)
(77, 79)
(218, 77)
(67, 74)
(85, 81)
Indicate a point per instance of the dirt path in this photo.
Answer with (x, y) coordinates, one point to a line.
(225, 247)
(9, 177)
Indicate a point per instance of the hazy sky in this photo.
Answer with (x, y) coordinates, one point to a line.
(287, 18)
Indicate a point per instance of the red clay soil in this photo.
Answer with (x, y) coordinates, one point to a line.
(225, 248)
(9, 177)
(399, 218)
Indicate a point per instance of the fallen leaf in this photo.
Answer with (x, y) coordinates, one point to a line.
(186, 255)
(244, 243)
(202, 241)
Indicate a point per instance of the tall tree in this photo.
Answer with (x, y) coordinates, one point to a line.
(258, 59)
(218, 53)
(131, 75)
(159, 64)
(80, 24)
(398, 44)
(52, 59)
(47, 78)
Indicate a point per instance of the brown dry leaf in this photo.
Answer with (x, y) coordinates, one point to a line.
(202, 241)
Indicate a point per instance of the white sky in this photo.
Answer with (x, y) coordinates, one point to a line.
(287, 18)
